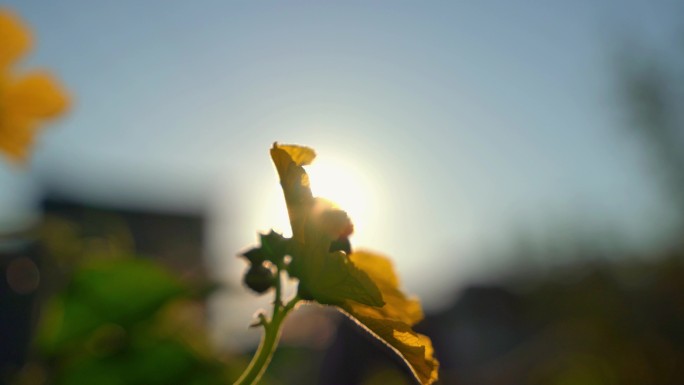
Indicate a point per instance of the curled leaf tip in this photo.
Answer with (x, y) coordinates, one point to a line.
(299, 155)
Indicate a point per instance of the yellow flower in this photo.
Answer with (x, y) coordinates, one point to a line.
(362, 284)
(25, 99)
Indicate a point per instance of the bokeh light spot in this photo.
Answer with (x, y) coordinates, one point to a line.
(23, 276)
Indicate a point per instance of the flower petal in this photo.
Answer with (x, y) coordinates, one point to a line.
(414, 348)
(288, 161)
(15, 39)
(397, 305)
(300, 155)
(333, 279)
(36, 94)
(16, 136)
(392, 322)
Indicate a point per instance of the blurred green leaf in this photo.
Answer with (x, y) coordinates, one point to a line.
(157, 363)
(120, 291)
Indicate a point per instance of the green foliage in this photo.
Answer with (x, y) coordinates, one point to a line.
(143, 362)
(123, 320)
(121, 291)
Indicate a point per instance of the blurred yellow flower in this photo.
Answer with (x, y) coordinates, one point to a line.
(26, 100)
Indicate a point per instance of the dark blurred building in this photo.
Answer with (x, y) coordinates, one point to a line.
(18, 284)
(173, 238)
(616, 322)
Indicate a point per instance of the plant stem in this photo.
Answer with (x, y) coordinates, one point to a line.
(269, 341)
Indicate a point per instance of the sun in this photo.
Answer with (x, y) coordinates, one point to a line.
(345, 185)
(334, 179)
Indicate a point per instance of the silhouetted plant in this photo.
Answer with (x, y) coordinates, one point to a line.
(361, 284)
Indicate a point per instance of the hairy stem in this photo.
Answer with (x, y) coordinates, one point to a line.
(270, 339)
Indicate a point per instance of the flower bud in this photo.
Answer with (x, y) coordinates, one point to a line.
(333, 222)
(259, 278)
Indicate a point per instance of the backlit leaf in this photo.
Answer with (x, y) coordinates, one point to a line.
(416, 349)
(337, 280)
(392, 322)
(397, 305)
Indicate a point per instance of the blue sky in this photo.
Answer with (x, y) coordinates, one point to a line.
(474, 121)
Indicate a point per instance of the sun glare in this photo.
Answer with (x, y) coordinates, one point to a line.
(344, 185)
(341, 182)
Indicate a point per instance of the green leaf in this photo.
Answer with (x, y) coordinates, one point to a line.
(273, 246)
(160, 362)
(254, 256)
(120, 291)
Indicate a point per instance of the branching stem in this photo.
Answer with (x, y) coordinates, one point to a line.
(271, 336)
